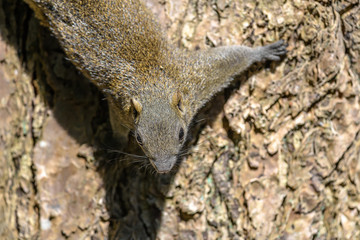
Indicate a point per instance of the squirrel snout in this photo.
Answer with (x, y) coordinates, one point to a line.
(164, 164)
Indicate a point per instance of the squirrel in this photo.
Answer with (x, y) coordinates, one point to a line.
(154, 89)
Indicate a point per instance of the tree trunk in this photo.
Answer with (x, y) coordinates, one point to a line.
(275, 156)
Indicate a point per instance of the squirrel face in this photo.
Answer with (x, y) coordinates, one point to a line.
(160, 129)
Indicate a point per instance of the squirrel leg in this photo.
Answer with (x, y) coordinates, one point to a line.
(216, 67)
(232, 60)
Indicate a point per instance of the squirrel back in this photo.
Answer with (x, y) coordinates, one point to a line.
(112, 42)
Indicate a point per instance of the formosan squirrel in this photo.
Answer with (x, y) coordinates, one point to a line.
(152, 87)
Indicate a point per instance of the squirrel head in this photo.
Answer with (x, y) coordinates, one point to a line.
(160, 128)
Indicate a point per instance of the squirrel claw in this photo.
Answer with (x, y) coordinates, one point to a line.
(275, 50)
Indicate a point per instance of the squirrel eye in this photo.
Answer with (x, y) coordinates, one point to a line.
(138, 139)
(181, 135)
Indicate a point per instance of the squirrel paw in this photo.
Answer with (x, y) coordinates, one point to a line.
(274, 51)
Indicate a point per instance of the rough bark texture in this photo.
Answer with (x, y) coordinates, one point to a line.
(275, 156)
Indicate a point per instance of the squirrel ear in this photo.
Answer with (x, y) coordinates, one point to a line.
(177, 101)
(136, 106)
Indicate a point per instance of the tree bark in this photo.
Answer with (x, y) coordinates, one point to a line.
(274, 156)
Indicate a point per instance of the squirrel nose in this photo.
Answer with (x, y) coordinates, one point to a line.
(163, 165)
